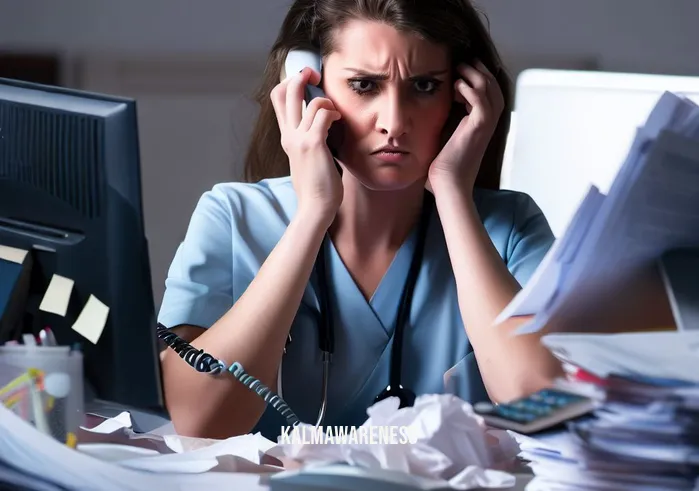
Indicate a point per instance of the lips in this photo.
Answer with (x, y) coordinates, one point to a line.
(389, 150)
(391, 155)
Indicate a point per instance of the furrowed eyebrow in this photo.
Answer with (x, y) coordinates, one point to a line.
(363, 73)
(384, 76)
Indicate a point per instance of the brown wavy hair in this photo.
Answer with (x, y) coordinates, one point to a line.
(309, 24)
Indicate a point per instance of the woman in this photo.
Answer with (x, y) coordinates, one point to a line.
(422, 101)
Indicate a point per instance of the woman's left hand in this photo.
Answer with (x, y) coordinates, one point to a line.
(460, 158)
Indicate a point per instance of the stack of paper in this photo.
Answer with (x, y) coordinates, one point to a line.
(602, 273)
(644, 435)
(32, 460)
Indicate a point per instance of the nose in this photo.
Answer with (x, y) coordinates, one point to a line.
(393, 115)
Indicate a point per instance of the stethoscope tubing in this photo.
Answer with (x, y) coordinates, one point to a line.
(326, 338)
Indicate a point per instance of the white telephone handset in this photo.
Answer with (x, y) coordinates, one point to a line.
(296, 61)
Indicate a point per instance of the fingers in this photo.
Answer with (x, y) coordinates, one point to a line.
(478, 88)
(495, 96)
(322, 121)
(287, 97)
(474, 77)
(315, 105)
(278, 98)
(473, 88)
(484, 70)
(295, 93)
(308, 128)
(466, 94)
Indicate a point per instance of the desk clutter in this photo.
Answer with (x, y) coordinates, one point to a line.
(644, 431)
(619, 295)
(40, 381)
(451, 449)
(43, 385)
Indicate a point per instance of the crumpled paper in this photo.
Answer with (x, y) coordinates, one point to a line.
(449, 442)
(181, 454)
(119, 431)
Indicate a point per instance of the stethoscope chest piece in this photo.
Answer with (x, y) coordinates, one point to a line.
(405, 396)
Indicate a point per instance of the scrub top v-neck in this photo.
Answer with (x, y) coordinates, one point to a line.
(236, 225)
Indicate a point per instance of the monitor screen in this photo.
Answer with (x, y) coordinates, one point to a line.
(574, 128)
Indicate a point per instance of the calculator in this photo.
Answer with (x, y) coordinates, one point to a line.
(539, 411)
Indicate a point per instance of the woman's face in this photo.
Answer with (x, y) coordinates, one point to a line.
(393, 90)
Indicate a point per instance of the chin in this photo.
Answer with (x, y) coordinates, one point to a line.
(388, 178)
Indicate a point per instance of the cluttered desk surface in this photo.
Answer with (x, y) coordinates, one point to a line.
(623, 442)
(112, 455)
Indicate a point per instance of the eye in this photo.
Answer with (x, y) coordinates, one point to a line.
(427, 86)
(362, 86)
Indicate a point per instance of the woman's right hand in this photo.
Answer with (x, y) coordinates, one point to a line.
(315, 178)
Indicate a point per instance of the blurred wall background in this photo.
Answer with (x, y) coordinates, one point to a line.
(193, 65)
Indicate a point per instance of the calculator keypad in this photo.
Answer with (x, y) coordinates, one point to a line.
(538, 405)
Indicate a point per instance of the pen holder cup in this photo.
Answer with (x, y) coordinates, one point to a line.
(44, 386)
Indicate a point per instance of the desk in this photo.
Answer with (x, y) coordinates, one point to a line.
(252, 482)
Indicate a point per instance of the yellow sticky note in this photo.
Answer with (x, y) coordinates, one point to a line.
(91, 321)
(57, 295)
(12, 254)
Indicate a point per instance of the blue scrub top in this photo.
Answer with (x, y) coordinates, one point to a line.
(236, 225)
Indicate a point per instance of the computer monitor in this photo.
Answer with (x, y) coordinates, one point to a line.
(571, 129)
(70, 192)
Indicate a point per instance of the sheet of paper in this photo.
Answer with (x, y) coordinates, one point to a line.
(111, 425)
(119, 431)
(539, 291)
(12, 254)
(652, 206)
(15, 479)
(57, 296)
(198, 462)
(92, 319)
(546, 281)
(666, 355)
(245, 453)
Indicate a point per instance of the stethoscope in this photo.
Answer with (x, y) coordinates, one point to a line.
(326, 337)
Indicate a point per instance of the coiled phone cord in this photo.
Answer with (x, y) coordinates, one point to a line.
(205, 363)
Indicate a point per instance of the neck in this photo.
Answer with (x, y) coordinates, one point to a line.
(371, 221)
